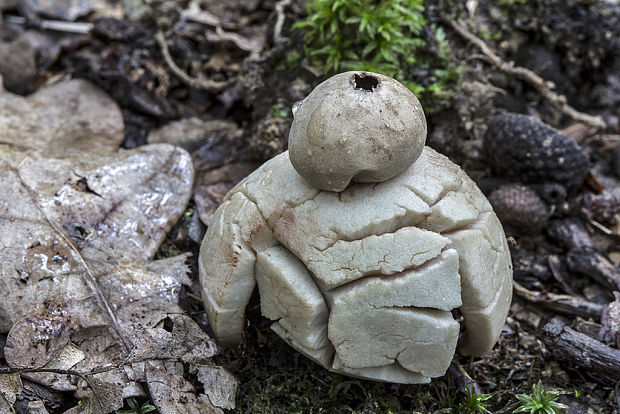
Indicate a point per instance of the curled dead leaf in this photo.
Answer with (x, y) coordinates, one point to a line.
(80, 222)
(10, 388)
(172, 394)
(220, 386)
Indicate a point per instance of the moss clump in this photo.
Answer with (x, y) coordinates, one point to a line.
(391, 37)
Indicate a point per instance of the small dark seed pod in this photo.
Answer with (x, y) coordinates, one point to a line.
(520, 209)
(524, 148)
(570, 232)
(551, 193)
(603, 207)
(530, 266)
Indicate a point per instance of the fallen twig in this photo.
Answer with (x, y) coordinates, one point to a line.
(55, 25)
(82, 373)
(162, 77)
(565, 304)
(277, 29)
(591, 263)
(543, 87)
(247, 45)
(558, 273)
(567, 344)
(610, 322)
(85, 375)
(204, 84)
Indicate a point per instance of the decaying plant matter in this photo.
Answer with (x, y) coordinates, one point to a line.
(84, 306)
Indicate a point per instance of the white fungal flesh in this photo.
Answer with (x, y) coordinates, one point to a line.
(288, 295)
(363, 281)
(227, 280)
(347, 261)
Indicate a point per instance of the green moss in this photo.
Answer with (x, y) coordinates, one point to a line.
(386, 36)
(274, 378)
(278, 111)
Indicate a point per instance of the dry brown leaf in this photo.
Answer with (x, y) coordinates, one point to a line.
(63, 358)
(10, 388)
(80, 221)
(213, 145)
(176, 338)
(103, 397)
(212, 185)
(5, 406)
(36, 407)
(172, 394)
(220, 386)
(193, 133)
(18, 65)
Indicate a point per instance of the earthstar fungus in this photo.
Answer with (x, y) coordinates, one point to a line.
(358, 127)
(363, 281)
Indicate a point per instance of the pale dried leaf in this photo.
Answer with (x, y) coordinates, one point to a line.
(10, 387)
(104, 397)
(176, 338)
(66, 357)
(73, 116)
(5, 406)
(220, 386)
(172, 394)
(213, 147)
(36, 407)
(78, 286)
(80, 220)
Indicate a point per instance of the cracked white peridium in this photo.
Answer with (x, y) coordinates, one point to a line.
(363, 281)
(290, 296)
(385, 254)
